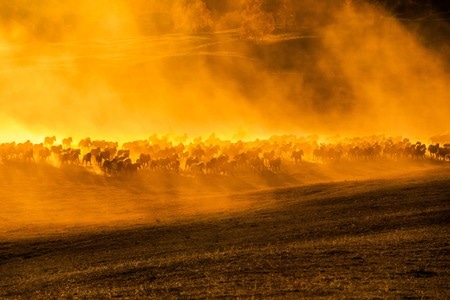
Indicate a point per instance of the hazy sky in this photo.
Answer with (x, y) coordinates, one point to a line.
(125, 70)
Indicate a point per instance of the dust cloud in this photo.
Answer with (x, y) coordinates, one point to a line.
(124, 70)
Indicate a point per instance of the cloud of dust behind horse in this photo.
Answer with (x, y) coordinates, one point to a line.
(126, 69)
(398, 84)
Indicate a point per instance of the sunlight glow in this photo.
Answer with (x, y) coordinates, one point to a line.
(128, 69)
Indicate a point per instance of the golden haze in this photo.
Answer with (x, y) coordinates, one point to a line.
(124, 70)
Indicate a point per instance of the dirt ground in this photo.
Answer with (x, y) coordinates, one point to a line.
(345, 230)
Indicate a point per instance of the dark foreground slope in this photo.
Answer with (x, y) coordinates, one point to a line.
(370, 238)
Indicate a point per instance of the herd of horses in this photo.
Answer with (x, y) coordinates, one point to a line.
(215, 156)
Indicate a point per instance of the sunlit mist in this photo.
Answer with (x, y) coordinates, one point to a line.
(124, 70)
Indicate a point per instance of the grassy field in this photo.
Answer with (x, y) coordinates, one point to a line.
(73, 234)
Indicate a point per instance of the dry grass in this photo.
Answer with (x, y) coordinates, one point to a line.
(371, 238)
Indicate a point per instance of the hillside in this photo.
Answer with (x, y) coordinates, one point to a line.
(376, 236)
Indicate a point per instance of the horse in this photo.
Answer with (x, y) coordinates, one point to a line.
(198, 168)
(443, 153)
(87, 158)
(67, 142)
(297, 156)
(44, 154)
(85, 143)
(275, 164)
(49, 140)
(102, 155)
(433, 149)
(190, 161)
(144, 159)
